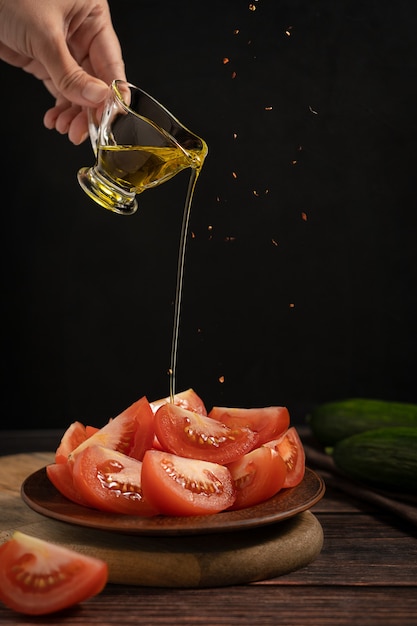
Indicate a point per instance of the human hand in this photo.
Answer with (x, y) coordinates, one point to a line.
(71, 46)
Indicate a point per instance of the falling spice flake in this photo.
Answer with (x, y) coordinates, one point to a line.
(252, 7)
(268, 108)
(226, 60)
(288, 31)
(304, 216)
(209, 227)
(236, 31)
(274, 242)
(234, 74)
(230, 238)
(234, 135)
(234, 175)
(292, 305)
(192, 235)
(221, 379)
(312, 110)
(294, 162)
(256, 193)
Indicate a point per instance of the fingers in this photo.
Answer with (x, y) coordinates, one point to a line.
(69, 119)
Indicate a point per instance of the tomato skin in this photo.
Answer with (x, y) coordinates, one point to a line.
(290, 448)
(180, 486)
(74, 435)
(60, 475)
(258, 476)
(131, 432)
(68, 577)
(187, 399)
(196, 436)
(111, 481)
(269, 422)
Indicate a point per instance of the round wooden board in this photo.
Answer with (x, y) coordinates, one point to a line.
(213, 560)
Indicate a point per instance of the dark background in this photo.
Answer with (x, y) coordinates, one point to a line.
(301, 271)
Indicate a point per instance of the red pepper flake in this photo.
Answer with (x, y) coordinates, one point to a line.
(292, 305)
(234, 135)
(252, 7)
(234, 74)
(288, 31)
(304, 216)
(234, 175)
(226, 60)
(269, 108)
(274, 242)
(255, 193)
(236, 31)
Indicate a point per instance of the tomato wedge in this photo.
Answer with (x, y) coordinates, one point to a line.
(71, 439)
(179, 486)
(291, 449)
(189, 434)
(60, 475)
(258, 476)
(187, 399)
(111, 481)
(131, 432)
(269, 422)
(38, 577)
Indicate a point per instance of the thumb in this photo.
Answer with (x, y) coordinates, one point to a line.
(72, 81)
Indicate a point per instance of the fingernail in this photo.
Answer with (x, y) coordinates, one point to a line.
(95, 93)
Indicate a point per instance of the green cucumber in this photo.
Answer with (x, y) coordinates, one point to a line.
(334, 421)
(384, 458)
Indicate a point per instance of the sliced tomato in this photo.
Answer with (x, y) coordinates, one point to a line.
(131, 432)
(111, 481)
(258, 476)
(196, 436)
(180, 486)
(71, 439)
(60, 475)
(291, 449)
(38, 577)
(187, 399)
(269, 422)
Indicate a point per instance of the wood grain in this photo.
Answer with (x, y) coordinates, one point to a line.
(185, 561)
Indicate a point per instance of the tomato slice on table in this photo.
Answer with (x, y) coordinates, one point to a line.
(187, 399)
(258, 476)
(38, 577)
(111, 481)
(196, 436)
(269, 422)
(60, 475)
(290, 448)
(131, 432)
(179, 486)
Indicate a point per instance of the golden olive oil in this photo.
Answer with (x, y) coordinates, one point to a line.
(140, 167)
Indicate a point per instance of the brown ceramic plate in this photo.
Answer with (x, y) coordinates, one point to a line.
(41, 496)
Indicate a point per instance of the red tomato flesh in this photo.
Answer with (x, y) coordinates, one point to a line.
(38, 577)
(290, 448)
(71, 439)
(187, 399)
(60, 475)
(258, 476)
(180, 486)
(131, 432)
(111, 481)
(269, 422)
(189, 434)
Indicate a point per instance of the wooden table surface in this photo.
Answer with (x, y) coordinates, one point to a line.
(366, 573)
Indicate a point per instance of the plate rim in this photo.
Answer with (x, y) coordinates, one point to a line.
(226, 521)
